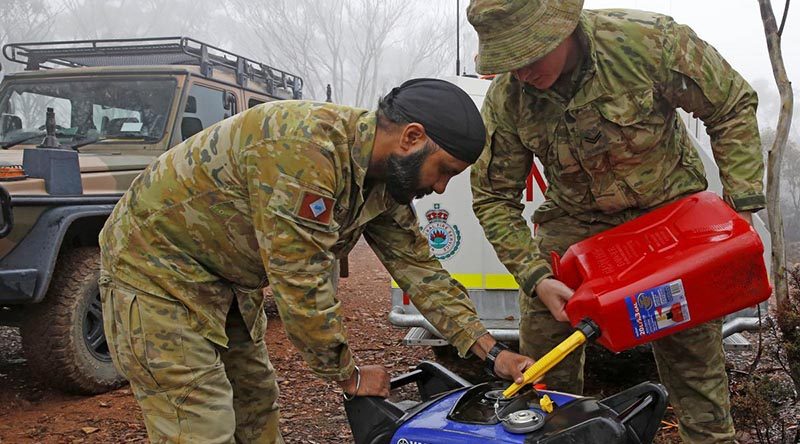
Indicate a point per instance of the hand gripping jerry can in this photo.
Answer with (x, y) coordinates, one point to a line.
(678, 266)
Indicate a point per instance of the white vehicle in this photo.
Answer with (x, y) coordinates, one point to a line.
(457, 240)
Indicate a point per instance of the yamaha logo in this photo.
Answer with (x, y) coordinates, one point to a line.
(405, 441)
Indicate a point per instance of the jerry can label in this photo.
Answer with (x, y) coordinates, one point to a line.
(658, 308)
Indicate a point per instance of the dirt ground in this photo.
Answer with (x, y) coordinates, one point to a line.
(311, 410)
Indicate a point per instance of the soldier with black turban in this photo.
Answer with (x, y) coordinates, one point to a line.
(271, 197)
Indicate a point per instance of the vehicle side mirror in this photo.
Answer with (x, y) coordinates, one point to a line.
(6, 216)
(9, 123)
(190, 126)
(191, 105)
(229, 101)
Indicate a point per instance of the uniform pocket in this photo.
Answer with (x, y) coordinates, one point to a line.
(238, 225)
(634, 123)
(158, 339)
(569, 164)
(251, 308)
(110, 321)
(627, 109)
(535, 139)
(153, 345)
(546, 212)
(121, 321)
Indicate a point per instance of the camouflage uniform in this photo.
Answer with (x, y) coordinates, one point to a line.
(271, 197)
(612, 147)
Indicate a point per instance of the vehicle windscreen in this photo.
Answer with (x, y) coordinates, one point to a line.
(100, 109)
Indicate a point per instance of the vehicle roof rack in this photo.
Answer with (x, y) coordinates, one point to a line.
(149, 52)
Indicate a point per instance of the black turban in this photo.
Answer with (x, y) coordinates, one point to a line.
(448, 114)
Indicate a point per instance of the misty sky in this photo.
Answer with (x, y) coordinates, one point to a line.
(734, 27)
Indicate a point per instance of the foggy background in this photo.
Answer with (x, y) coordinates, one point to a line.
(362, 48)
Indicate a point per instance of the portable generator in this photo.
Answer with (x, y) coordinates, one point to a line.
(449, 410)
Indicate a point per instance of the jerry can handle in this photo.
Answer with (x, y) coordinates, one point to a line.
(555, 264)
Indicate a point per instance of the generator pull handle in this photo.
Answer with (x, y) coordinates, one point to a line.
(640, 408)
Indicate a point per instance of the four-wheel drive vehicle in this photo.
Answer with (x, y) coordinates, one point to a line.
(76, 128)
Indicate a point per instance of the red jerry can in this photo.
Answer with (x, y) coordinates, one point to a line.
(678, 266)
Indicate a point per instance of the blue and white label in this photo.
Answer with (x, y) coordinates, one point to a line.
(658, 308)
(318, 207)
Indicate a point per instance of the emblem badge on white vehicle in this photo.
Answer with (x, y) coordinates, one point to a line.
(444, 239)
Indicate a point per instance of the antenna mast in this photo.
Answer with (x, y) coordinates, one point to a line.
(458, 38)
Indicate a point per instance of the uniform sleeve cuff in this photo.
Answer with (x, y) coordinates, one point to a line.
(540, 273)
(337, 373)
(466, 338)
(751, 202)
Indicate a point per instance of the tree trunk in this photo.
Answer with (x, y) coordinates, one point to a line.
(787, 319)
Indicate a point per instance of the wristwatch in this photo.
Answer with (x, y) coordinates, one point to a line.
(492, 356)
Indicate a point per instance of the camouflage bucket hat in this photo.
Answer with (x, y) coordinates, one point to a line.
(515, 33)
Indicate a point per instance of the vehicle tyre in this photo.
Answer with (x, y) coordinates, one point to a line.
(63, 336)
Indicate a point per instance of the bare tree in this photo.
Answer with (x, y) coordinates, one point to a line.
(283, 31)
(101, 19)
(24, 21)
(777, 149)
(790, 181)
(370, 41)
(357, 46)
(430, 45)
(788, 318)
(791, 188)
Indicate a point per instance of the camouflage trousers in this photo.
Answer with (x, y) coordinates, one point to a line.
(691, 363)
(190, 390)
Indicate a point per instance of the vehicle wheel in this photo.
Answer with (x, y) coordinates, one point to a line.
(63, 336)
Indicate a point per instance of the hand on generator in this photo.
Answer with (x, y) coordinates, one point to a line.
(366, 380)
(499, 360)
(511, 366)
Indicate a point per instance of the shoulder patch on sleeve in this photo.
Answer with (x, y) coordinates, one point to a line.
(303, 203)
(315, 207)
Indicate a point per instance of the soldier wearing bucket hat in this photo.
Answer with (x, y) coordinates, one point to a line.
(593, 95)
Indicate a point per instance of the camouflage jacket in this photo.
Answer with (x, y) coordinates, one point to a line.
(272, 196)
(617, 144)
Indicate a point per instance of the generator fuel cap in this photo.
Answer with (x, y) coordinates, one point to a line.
(523, 421)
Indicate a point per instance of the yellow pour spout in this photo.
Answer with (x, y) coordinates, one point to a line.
(548, 361)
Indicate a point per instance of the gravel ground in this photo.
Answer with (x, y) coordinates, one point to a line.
(312, 410)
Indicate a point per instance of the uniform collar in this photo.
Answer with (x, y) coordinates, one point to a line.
(589, 88)
(364, 141)
(368, 206)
